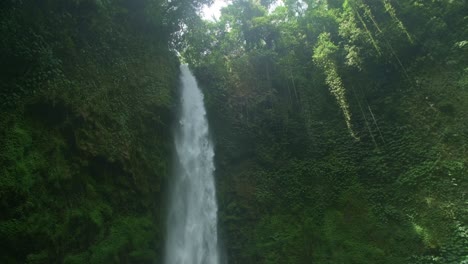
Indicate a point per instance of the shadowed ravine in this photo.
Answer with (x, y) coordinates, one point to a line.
(192, 222)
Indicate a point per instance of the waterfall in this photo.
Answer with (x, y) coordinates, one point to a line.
(192, 236)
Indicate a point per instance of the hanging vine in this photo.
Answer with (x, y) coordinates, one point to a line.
(323, 57)
(391, 11)
(353, 10)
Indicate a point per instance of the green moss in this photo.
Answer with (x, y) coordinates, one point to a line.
(85, 134)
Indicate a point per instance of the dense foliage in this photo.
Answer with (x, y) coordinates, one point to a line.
(341, 129)
(87, 89)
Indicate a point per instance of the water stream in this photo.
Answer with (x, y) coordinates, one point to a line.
(192, 236)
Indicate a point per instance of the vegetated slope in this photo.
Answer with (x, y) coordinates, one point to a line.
(340, 129)
(87, 89)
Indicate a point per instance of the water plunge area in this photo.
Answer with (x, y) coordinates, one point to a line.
(192, 235)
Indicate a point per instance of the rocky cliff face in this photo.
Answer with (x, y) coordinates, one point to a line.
(340, 130)
(87, 93)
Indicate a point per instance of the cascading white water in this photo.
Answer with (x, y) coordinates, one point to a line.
(192, 236)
